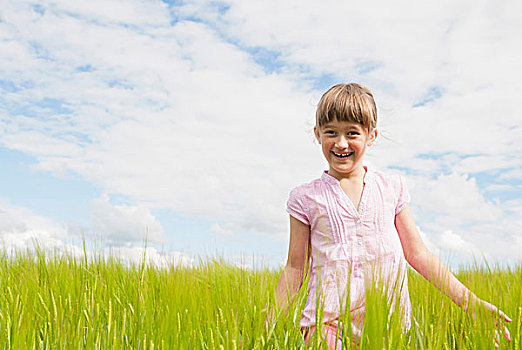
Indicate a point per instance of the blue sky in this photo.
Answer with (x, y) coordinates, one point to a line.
(189, 122)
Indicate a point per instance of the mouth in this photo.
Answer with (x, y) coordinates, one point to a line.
(342, 155)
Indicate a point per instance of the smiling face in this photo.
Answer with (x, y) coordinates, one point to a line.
(344, 144)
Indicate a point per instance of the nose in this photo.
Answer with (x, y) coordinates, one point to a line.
(342, 142)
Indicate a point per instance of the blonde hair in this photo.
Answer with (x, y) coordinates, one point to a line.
(347, 102)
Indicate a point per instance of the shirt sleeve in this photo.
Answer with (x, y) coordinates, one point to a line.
(295, 206)
(403, 195)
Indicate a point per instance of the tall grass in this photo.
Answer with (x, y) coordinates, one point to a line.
(51, 301)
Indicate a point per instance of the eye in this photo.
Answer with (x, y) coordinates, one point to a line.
(353, 133)
(329, 132)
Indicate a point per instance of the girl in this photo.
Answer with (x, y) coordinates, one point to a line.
(353, 221)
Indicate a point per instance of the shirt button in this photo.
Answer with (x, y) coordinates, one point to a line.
(358, 220)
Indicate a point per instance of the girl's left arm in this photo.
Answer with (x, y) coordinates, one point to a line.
(429, 266)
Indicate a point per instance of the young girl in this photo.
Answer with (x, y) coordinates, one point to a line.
(354, 222)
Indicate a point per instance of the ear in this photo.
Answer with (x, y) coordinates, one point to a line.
(317, 134)
(372, 136)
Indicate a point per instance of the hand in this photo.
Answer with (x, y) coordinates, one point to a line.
(486, 309)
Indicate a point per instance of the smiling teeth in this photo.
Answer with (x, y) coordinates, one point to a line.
(343, 155)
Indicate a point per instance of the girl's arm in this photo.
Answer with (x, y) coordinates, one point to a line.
(297, 264)
(429, 266)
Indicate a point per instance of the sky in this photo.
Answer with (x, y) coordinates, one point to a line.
(180, 127)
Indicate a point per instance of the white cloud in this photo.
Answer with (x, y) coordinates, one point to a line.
(150, 255)
(452, 241)
(124, 223)
(410, 46)
(511, 174)
(219, 230)
(22, 231)
(111, 11)
(501, 188)
(19, 220)
(193, 130)
(462, 225)
(456, 196)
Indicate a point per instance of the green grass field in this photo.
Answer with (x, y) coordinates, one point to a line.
(59, 302)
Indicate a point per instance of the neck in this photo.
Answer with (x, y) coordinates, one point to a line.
(353, 175)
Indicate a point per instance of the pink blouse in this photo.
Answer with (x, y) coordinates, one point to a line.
(351, 247)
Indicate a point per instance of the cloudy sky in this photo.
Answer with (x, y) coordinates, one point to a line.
(189, 122)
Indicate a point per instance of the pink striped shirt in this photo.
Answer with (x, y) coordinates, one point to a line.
(349, 246)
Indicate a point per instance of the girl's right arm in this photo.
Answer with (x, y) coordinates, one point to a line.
(297, 264)
(429, 266)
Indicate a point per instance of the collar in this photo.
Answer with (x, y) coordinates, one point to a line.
(332, 180)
